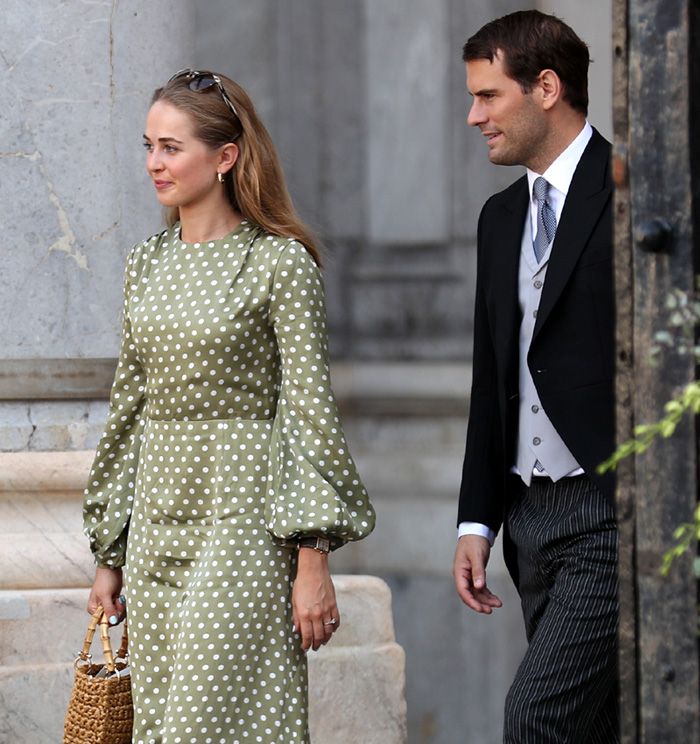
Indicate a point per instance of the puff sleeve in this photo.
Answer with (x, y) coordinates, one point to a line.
(109, 494)
(313, 485)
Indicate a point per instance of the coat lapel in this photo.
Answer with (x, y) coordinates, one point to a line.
(504, 244)
(588, 194)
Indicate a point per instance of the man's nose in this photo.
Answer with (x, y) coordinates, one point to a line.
(476, 115)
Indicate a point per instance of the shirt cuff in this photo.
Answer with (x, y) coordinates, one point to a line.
(476, 528)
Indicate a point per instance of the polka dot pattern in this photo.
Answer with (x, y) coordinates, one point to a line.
(222, 446)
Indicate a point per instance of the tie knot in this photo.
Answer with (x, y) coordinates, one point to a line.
(540, 188)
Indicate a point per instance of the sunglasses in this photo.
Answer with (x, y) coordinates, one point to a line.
(201, 81)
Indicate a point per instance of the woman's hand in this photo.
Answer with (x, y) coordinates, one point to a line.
(313, 600)
(106, 591)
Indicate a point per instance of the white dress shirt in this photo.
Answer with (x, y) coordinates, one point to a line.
(559, 176)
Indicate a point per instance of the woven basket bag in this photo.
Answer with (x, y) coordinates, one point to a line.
(100, 710)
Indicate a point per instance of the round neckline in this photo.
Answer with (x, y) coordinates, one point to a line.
(242, 226)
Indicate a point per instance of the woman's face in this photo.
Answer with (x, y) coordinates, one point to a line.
(183, 168)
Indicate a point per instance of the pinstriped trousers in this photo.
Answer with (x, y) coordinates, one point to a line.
(565, 691)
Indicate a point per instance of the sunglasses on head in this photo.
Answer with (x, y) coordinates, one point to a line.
(200, 81)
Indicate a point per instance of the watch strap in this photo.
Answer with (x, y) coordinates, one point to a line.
(320, 544)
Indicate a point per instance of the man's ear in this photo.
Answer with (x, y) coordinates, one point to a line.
(228, 157)
(550, 88)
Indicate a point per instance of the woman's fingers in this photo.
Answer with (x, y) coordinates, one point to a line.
(107, 592)
(306, 629)
(331, 623)
(328, 630)
(92, 603)
(316, 627)
(120, 604)
(319, 633)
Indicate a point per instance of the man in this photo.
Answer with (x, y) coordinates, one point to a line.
(541, 411)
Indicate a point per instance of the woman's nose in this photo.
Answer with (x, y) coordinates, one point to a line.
(153, 162)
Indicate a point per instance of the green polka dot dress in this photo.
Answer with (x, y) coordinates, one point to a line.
(223, 444)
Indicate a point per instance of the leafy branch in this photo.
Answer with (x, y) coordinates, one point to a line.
(685, 535)
(645, 434)
(684, 318)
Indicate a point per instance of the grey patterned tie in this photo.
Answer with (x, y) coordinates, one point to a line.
(546, 219)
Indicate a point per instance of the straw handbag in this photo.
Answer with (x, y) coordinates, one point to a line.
(100, 709)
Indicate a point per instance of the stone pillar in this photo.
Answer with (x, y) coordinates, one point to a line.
(75, 83)
(356, 682)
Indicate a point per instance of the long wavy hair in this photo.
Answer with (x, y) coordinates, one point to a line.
(255, 185)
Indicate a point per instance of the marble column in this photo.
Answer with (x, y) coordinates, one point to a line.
(75, 82)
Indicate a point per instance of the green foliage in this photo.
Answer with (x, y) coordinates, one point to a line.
(645, 434)
(685, 536)
(684, 317)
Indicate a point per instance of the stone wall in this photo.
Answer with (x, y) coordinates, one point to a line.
(75, 81)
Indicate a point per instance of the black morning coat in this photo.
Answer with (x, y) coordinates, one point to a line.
(571, 356)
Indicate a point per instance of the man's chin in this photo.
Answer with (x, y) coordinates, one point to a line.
(500, 158)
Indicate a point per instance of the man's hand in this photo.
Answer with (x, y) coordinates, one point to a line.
(469, 570)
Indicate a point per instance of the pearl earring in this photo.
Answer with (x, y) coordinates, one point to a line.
(220, 176)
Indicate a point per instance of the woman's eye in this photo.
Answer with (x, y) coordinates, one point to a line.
(170, 149)
(147, 146)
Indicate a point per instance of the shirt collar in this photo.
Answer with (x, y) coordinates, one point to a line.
(561, 171)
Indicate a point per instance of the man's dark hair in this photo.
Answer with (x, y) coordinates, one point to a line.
(529, 42)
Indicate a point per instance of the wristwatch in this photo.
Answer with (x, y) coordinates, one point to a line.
(320, 544)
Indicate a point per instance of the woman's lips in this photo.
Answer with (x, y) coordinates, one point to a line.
(162, 184)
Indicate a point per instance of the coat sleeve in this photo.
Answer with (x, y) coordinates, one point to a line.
(314, 487)
(482, 490)
(110, 491)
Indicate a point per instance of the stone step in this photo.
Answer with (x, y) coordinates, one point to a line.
(35, 698)
(356, 682)
(44, 471)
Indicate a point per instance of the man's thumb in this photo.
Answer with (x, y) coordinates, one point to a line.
(478, 574)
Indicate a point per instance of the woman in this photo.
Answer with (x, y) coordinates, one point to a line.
(223, 476)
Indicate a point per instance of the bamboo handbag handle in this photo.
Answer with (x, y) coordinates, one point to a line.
(100, 618)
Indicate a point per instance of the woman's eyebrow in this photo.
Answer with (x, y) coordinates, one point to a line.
(164, 139)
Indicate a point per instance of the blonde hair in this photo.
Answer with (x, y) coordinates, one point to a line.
(255, 185)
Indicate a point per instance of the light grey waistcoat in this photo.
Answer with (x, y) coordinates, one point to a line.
(538, 440)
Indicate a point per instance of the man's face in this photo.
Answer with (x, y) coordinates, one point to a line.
(512, 122)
